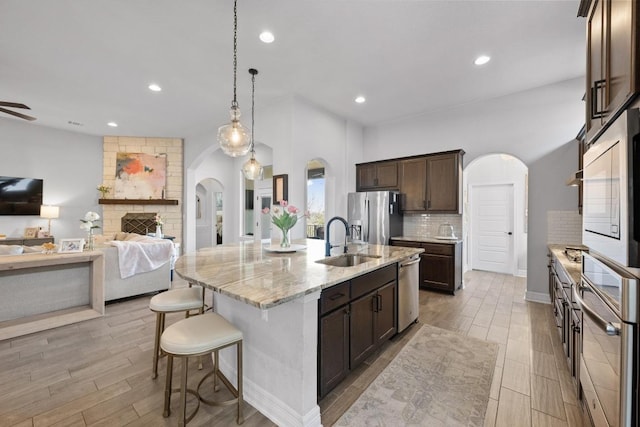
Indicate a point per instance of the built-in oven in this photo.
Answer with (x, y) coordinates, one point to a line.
(611, 192)
(608, 368)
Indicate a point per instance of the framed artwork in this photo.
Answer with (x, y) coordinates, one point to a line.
(280, 188)
(71, 245)
(140, 176)
(31, 232)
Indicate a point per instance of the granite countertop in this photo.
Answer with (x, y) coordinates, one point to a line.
(249, 273)
(426, 239)
(573, 268)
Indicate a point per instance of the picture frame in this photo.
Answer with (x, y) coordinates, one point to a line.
(71, 245)
(280, 188)
(31, 232)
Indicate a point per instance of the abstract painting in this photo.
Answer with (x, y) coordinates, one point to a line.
(140, 176)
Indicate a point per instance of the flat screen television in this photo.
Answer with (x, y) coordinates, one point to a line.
(20, 196)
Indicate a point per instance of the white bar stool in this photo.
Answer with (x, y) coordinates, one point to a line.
(172, 301)
(197, 336)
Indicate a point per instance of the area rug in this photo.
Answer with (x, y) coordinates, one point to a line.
(440, 378)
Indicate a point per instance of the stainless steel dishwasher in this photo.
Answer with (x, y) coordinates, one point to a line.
(408, 300)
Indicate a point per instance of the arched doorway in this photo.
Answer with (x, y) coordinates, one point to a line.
(495, 214)
(209, 213)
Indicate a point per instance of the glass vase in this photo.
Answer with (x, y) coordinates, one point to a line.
(285, 242)
(90, 240)
(159, 231)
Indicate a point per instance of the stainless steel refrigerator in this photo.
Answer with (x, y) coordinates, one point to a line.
(374, 216)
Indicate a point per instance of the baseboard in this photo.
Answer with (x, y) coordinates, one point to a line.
(270, 406)
(521, 272)
(540, 297)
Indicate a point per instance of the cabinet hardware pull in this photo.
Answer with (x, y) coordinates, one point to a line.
(336, 296)
(379, 299)
(597, 86)
(374, 304)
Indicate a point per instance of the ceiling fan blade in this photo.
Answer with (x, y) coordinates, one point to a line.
(13, 105)
(13, 113)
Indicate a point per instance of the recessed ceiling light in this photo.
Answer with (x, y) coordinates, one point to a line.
(154, 87)
(482, 59)
(267, 37)
(360, 99)
(112, 124)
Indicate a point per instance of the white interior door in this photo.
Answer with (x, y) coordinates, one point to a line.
(492, 237)
(262, 231)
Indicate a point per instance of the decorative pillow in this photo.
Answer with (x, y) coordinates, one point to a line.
(10, 249)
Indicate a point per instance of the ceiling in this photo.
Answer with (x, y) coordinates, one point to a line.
(90, 62)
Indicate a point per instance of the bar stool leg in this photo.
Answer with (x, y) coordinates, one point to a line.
(216, 370)
(167, 387)
(240, 419)
(183, 392)
(156, 344)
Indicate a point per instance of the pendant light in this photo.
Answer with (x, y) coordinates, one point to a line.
(233, 137)
(252, 169)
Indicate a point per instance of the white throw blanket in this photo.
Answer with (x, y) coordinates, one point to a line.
(142, 256)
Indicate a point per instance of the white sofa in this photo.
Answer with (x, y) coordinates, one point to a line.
(116, 287)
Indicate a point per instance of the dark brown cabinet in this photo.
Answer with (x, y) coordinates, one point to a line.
(612, 60)
(377, 176)
(373, 321)
(333, 355)
(355, 318)
(440, 264)
(432, 183)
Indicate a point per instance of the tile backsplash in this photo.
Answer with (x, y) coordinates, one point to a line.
(564, 227)
(426, 225)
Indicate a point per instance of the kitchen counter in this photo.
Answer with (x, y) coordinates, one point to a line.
(426, 239)
(573, 268)
(273, 299)
(247, 272)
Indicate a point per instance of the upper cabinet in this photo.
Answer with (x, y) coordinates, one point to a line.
(613, 47)
(428, 183)
(432, 183)
(377, 176)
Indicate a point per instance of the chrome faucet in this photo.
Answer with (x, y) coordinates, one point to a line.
(327, 240)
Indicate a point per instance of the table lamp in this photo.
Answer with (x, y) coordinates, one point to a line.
(49, 212)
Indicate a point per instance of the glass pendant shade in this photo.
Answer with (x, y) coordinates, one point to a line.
(252, 169)
(233, 137)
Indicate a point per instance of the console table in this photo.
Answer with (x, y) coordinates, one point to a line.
(44, 291)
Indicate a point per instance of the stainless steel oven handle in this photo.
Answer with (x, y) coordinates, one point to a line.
(610, 328)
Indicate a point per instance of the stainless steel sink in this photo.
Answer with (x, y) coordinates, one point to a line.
(347, 260)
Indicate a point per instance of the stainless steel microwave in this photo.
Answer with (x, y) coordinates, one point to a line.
(611, 192)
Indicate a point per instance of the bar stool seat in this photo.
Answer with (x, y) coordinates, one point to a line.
(196, 336)
(172, 301)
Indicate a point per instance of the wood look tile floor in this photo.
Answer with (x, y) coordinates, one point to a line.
(97, 373)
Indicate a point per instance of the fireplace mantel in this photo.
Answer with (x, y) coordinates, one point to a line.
(137, 202)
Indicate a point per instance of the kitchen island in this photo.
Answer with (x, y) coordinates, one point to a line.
(273, 299)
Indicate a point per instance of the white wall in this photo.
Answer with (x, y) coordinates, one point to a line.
(68, 162)
(534, 126)
(297, 131)
(498, 169)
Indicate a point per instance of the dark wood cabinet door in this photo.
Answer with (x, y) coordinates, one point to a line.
(363, 337)
(595, 62)
(442, 183)
(413, 184)
(620, 82)
(386, 325)
(333, 352)
(387, 175)
(437, 271)
(365, 177)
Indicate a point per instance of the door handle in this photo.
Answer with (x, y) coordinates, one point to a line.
(509, 233)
